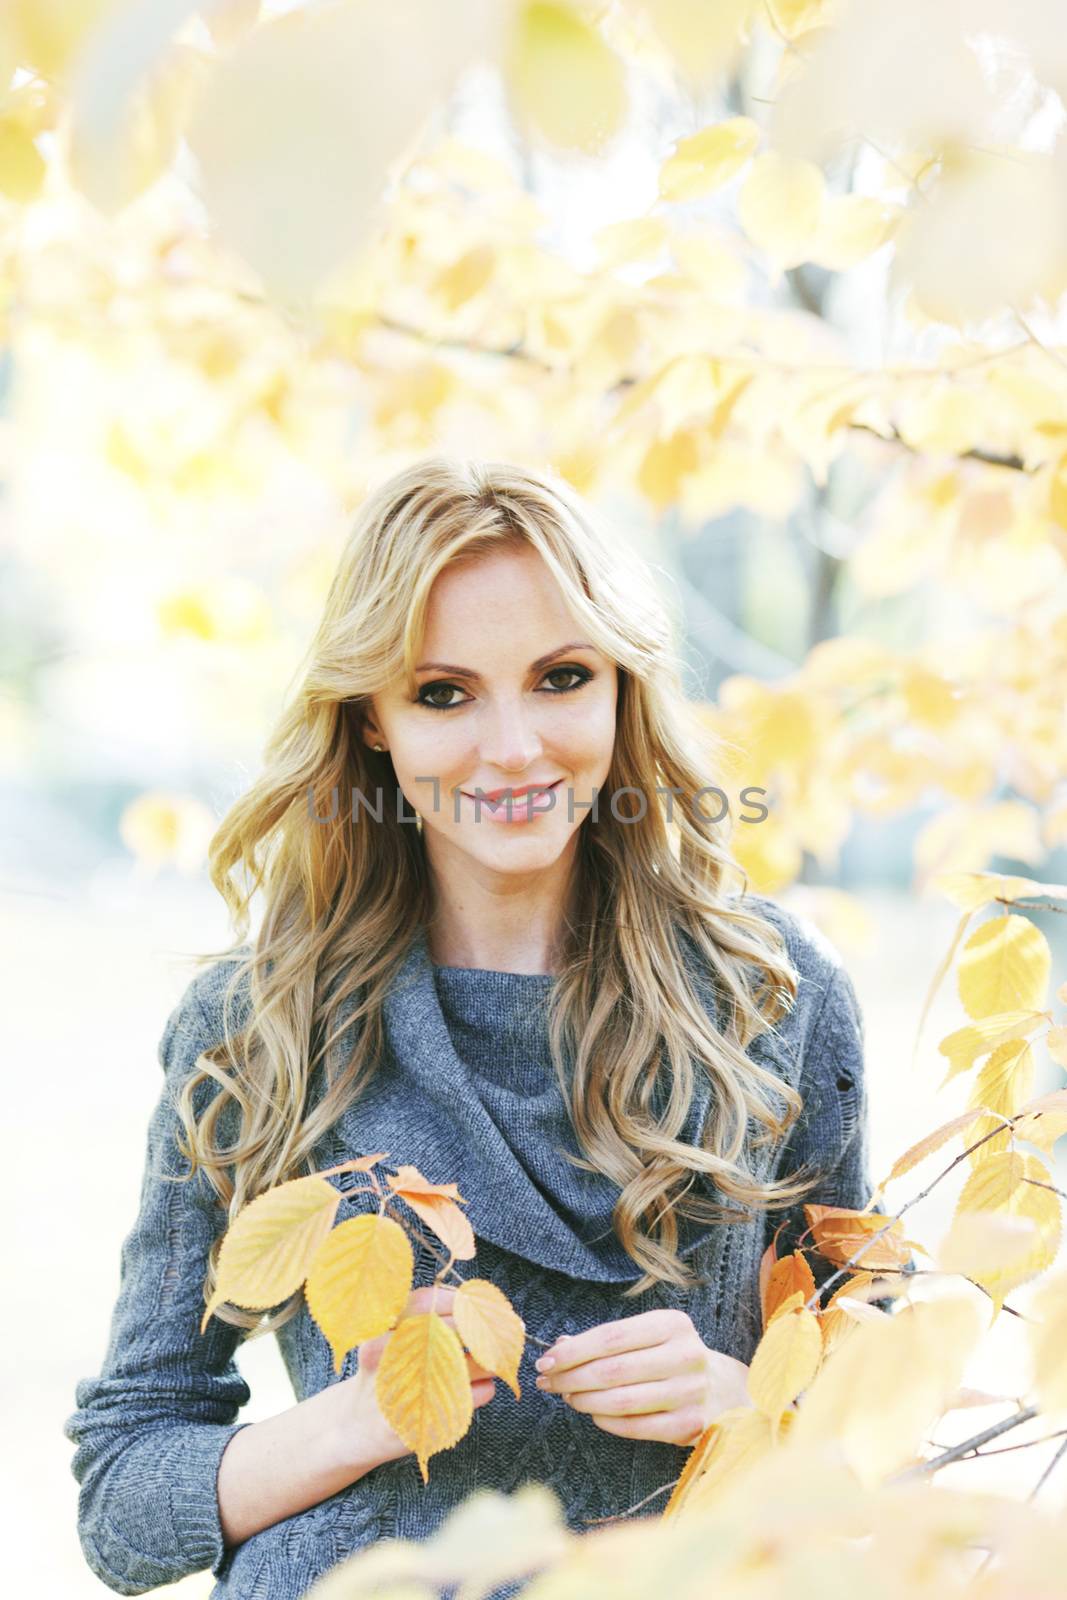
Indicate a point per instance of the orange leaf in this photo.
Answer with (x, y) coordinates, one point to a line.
(767, 1261)
(409, 1180)
(838, 1233)
(446, 1220)
(790, 1275)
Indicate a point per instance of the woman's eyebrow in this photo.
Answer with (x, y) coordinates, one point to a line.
(466, 672)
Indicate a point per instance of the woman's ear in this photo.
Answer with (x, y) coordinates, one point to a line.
(368, 729)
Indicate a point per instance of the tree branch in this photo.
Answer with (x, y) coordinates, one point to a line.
(924, 1469)
(857, 1255)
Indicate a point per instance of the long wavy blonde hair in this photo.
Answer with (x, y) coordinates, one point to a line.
(340, 902)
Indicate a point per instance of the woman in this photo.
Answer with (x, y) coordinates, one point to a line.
(497, 943)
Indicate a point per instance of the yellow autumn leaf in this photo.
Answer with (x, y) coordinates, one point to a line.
(1004, 1185)
(933, 1141)
(1043, 1120)
(337, 78)
(48, 35)
(739, 1439)
(229, 609)
(1004, 965)
(695, 1462)
(932, 700)
(780, 206)
(162, 828)
(991, 1186)
(1048, 1342)
(834, 1321)
(957, 837)
(969, 890)
(359, 1281)
(227, 20)
(112, 160)
(770, 854)
(423, 1386)
(917, 1357)
(565, 81)
(964, 1046)
(490, 1328)
(795, 17)
(466, 277)
(268, 1249)
(785, 1361)
(1056, 1045)
(1057, 490)
(981, 1243)
(793, 1302)
(712, 264)
(858, 1310)
(1003, 1086)
(665, 464)
(636, 239)
(706, 160)
(955, 266)
(22, 166)
(704, 40)
(851, 228)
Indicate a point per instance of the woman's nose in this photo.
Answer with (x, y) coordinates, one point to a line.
(510, 740)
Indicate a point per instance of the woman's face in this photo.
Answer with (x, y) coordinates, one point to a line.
(510, 697)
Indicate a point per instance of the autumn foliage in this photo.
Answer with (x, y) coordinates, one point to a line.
(823, 302)
(357, 1278)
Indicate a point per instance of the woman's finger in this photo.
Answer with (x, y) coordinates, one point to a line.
(682, 1427)
(611, 1338)
(639, 1399)
(631, 1366)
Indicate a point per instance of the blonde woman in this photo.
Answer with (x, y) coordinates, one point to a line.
(500, 939)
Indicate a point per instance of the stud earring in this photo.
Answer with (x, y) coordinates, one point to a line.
(377, 747)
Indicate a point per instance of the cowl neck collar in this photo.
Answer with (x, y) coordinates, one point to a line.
(424, 1107)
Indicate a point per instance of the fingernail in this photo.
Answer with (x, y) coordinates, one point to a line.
(545, 1363)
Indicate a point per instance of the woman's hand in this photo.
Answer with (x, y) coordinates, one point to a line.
(649, 1376)
(369, 1435)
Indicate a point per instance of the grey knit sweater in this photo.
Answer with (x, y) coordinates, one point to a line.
(467, 1094)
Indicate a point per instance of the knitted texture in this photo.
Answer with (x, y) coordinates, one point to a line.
(465, 1092)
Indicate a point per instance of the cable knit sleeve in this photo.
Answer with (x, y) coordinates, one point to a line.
(832, 1131)
(151, 1428)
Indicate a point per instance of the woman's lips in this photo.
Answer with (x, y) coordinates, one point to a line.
(519, 808)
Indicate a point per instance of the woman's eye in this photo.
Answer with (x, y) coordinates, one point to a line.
(582, 674)
(435, 688)
(573, 672)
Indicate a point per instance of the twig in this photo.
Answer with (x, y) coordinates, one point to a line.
(857, 1255)
(924, 1469)
(1031, 905)
(1033, 1492)
(1039, 1183)
(619, 1515)
(1028, 1444)
(991, 458)
(1058, 1457)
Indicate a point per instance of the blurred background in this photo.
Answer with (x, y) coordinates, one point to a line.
(778, 286)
